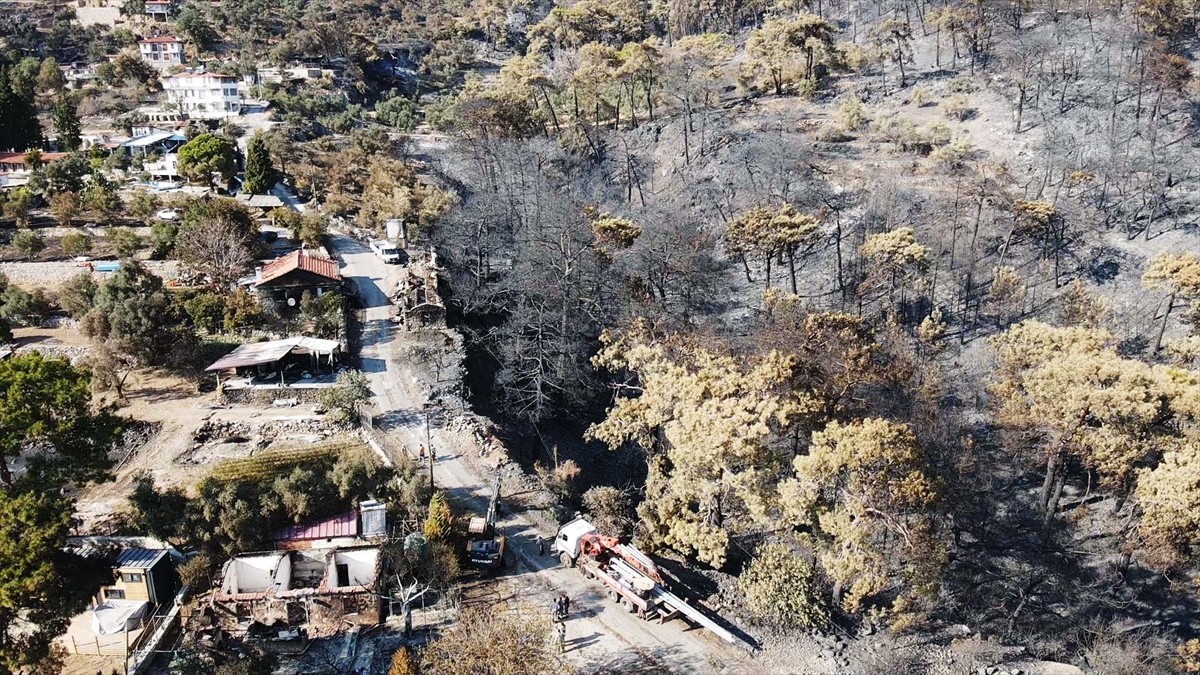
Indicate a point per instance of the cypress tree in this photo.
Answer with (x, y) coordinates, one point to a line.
(20, 130)
(260, 175)
(66, 124)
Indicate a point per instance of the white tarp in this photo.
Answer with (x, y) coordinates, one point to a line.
(118, 616)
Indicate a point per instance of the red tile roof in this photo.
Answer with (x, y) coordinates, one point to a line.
(19, 157)
(161, 39)
(300, 260)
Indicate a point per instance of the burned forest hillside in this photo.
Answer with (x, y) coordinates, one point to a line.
(876, 321)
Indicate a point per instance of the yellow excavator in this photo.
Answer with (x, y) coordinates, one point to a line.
(485, 549)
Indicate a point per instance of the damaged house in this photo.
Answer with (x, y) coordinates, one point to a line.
(313, 589)
(329, 574)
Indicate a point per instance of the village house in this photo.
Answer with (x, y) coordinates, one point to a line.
(14, 172)
(284, 281)
(162, 52)
(129, 615)
(204, 95)
(143, 579)
(157, 149)
(328, 574)
(156, 142)
(77, 76)
(160, 10)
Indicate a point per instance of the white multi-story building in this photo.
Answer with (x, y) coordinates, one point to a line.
(162, 52)
(204, 95)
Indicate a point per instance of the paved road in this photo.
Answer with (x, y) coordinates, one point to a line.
(601, 637)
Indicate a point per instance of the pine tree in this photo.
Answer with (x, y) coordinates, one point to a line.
(707, 421)
(868, 493)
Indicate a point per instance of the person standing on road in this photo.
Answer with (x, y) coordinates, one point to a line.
(541, 544)
(566, 605)
(560, 631)
(421, 452)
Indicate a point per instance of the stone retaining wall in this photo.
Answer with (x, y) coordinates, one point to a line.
(264, 397)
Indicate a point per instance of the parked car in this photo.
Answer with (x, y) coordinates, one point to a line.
(387, 251)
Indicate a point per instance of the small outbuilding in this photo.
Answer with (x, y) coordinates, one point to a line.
(280, 362)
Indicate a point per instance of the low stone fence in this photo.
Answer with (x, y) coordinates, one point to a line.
(265, 396)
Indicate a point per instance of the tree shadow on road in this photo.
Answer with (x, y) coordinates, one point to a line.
(653, 661)
(400, 418)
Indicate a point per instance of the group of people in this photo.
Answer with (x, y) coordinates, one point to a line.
(562, 607)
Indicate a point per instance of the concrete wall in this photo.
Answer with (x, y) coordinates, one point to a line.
(360, 564)
(256, 574)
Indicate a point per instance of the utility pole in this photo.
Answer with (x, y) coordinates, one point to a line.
(429, 442)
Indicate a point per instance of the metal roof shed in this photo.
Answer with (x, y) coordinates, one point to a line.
(254, 354)
(139, 558)
(277, 353)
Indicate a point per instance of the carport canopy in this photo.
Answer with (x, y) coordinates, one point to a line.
(262, 353)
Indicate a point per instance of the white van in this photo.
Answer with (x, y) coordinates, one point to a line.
(387, 251)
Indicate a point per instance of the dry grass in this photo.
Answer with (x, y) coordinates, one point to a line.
(277, 461)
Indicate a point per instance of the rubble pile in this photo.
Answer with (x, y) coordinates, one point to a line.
(229, 431)
(490, 448)
(135, 436)
(72, 354)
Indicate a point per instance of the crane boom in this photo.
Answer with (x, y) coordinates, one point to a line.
(678, 604)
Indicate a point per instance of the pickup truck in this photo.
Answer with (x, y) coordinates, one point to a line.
(387, 251)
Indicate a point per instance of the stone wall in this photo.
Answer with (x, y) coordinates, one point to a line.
(264, 397)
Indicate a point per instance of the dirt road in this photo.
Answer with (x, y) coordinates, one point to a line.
(600, 636)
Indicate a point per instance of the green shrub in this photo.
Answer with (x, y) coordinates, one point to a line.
(29, 243)
(76, 243)
(851, 115)
(124, 241)
(398, 112)
(78, 294)
(781, 590)
(343, 400)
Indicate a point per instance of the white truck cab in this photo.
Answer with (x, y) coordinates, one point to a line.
(387, 251)
(566, 544)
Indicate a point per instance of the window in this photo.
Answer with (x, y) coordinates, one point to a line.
(131, 578)
(114, 594)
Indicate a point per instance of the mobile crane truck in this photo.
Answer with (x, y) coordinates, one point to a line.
(630, 577)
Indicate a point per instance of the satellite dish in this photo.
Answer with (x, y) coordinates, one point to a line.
(291, 302)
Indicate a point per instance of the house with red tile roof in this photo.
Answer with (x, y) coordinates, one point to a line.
(14, 172)
(285, 280)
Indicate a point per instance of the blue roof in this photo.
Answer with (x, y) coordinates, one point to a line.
(143, 558)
